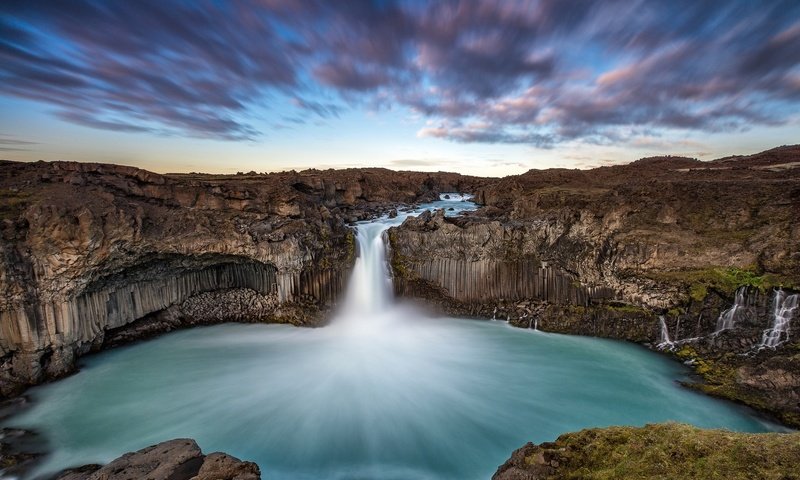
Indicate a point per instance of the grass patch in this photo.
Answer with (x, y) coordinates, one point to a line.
(667, 451)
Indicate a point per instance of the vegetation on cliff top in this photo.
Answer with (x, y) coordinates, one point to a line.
(721, 279)
(662, 451)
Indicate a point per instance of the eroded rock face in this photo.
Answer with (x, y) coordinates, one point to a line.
(616, 251)
(90, 250)
(179, 459)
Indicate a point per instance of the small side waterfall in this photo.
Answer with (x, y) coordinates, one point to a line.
(783, 310)
(727, 319)
(663, 340)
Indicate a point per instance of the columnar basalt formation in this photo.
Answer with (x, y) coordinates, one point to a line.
(94, 255)
(607, 252)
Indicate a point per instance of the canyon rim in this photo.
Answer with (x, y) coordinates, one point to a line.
(399, 239)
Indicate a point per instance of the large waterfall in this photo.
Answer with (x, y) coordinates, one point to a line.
(369, 289)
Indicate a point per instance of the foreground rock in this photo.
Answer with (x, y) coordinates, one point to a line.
(660, 451)
(179, 459)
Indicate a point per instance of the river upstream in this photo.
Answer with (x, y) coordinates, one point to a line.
(384, 392)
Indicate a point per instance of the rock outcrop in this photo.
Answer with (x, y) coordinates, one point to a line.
(94, 255)
(661, 451)
(179, 459)
(634, 252)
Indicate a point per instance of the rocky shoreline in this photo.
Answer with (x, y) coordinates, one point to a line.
(179, 459)
(656, 252)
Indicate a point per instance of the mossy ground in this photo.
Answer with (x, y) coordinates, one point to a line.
(671, 451)
(725, 280)
(719, 380)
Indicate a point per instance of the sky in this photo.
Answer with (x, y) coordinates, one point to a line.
(479, 87)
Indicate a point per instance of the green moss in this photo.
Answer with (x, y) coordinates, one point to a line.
(628, 309)
(698, 292)
(667, 451)
(719, 380)
(716, 372)
(400, 264)
(722, 279)
(686, 353)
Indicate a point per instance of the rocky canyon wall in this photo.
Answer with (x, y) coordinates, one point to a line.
(94, 255)
(654, 252)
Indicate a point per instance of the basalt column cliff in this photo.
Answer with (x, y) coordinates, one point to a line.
(96, 255)
(701, 259)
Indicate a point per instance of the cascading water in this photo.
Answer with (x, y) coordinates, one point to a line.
(369, 290)
(663, 340)
(384, 392)
(727, 319)
(783, 310)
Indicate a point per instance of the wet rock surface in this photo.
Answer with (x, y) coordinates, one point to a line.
(179, 459)
(20, 451)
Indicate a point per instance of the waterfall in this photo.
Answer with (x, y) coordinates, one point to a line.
(663, 340)
(370, 286)
(727, 319)
(783, 310)
(369, 291)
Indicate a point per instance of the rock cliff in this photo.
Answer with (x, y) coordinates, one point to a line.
(653, 252)
(93, 255)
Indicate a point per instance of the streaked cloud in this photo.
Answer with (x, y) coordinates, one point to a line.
(539, 73)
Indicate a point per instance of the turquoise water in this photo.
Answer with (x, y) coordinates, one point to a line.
(384, 392)
(400, 397)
